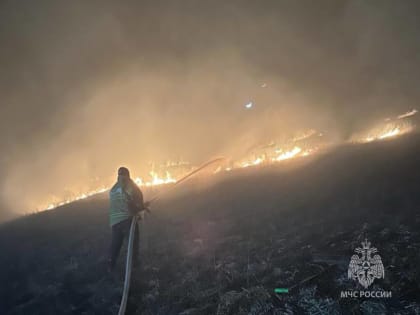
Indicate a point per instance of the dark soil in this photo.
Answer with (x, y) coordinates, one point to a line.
(221, 245)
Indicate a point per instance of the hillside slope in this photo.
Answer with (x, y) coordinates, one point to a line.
(221, 245)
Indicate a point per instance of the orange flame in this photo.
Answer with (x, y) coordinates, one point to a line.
(298, 147)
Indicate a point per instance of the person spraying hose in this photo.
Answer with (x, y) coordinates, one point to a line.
(131, 201)
(126, 201)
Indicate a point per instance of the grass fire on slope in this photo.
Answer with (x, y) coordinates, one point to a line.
(302, 144)
(222, 246)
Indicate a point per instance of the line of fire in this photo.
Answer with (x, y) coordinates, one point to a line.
(303, 144)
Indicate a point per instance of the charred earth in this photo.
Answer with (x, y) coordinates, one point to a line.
(221, 245)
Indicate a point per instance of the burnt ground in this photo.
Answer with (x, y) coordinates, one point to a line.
(222, 247)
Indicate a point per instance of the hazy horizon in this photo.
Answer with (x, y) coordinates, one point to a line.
(86, 87)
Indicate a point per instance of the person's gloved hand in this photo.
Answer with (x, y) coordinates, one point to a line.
(147, 206)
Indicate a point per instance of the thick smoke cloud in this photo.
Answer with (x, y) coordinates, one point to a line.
(88, 86)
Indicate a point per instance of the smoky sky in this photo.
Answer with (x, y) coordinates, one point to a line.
(86, 86)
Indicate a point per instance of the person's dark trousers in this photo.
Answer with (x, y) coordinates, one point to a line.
(121, 231)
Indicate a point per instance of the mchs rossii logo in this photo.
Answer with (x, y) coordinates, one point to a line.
(365, 266)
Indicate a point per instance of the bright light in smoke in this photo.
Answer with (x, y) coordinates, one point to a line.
(249, 105)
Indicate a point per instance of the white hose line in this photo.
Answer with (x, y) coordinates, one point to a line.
(124, 298)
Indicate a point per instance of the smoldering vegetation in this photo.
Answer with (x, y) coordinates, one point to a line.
(221, 245)
(87, 87)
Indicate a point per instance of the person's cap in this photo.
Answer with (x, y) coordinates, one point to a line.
(123, 171)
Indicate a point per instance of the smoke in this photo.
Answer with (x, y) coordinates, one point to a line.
(87, 87)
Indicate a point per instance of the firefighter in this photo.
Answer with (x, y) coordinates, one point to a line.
(126, 200)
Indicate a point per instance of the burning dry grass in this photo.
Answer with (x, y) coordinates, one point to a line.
(303, 144)
(385, 131)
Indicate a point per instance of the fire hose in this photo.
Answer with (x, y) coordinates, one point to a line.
(127, 278)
